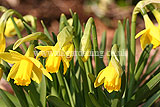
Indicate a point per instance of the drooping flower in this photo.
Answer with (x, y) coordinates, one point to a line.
(110, 76)
(10, 29)
(25, 67)
(54, 56)
(151, 35)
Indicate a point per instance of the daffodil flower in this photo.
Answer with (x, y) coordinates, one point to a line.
(10, 29)
(54, 56)
(110, 76)
(25, 67)
(151, 35)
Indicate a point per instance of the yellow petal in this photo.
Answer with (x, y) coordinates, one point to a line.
(65, 67)
(157, 16)
(43, 54)
(68, 50)
(35, 61)
(36, 74)
(145, 39)
(46, 74)
(24, 73)
(140, 33)
(15, 53)
(99, 81)
(2, 43)
(44, 48)
(13, 71)
(148, 22)
(10, 58)
(53, 63)
(10, 29)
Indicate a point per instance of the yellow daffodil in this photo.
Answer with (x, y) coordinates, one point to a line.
(151, 35)
(54, 56)
(10, 29)
(110, 76)
(25, 67)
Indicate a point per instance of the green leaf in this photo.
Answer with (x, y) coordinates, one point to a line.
(139, 69)
(103, 42)
(98, 65)
(144, 92)
(33, 36)
(47, 33)
(34, 95)
(122, 45)
(20, 94)
(149, 71)
(57, 102)
(69, 93)
(94, 100)
(142, 61)
(152, 59)
(5, 98)
(43, 91)
(129, 48)
(54, 37)
(152, 99)
(18, 33)
(114, 41)
(63, 22)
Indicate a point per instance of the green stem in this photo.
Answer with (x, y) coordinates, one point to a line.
(19, 33)
(62, 87)
(132, 54)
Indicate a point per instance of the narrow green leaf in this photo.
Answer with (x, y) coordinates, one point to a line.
(54, 37)
(139, 69)
(28, 27)
(34, 95)
(43, 91)
(63, 22)
(18, 33)
(129, 48)
(69, 93)
(20, 94)
(142, 61)
(152, 99)
(114, 41)
(94, 100)
(152, 59)
(57, 102)
(47, 33)
(103, 42)
(62, 87)
(121, 44)
(98, 67)
(144, 92)
(5, 98)
(149, 70)
(33, 36)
